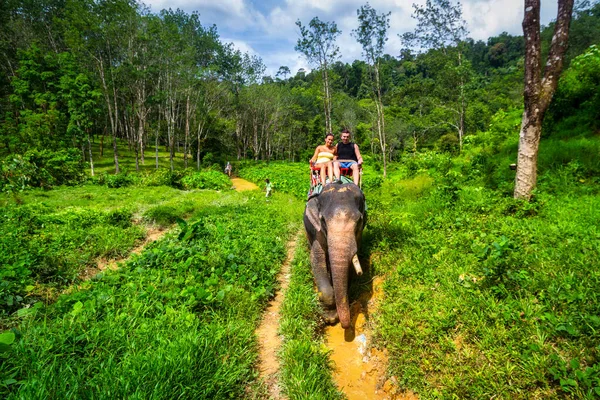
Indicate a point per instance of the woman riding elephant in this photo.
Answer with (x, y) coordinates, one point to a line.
(323, 158)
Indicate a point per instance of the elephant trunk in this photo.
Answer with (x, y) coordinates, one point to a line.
(341, 252)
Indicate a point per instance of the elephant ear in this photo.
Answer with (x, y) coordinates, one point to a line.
(313, 214)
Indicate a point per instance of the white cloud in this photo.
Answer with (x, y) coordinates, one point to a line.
(241, 46)
(272, 33)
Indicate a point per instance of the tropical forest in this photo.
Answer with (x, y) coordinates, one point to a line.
(166, 233)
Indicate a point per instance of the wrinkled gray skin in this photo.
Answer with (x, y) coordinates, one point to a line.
(334, 222)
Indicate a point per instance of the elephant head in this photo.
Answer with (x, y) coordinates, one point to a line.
(334, 222)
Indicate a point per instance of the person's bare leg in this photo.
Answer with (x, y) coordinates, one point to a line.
(355, 175)
(336, 170)
(323, 167)
(330, 171)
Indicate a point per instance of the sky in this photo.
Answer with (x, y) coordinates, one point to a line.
(267, 28)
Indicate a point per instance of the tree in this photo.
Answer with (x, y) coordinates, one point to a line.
(440, 26)
(538, 91)
(372, 35)
(283, 71)
(317, 43)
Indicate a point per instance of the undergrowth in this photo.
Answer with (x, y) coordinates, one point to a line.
(306, 367)
(177, 321)
(488, 296)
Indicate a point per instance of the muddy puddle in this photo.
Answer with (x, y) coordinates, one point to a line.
(360, 368)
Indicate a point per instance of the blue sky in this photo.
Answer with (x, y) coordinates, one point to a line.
(267, 28)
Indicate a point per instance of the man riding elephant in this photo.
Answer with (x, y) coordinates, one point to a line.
(348, 156)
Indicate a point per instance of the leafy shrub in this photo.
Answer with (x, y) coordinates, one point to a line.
(164, 177)
(578, 93)
(41, 168)
(448, 143)
(209, 179)
(162, 215)
(119, 180)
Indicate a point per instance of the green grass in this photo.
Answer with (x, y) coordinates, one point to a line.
(106, 163)
(176, 321)
(306, 367)
(487, 296)
(49, 237)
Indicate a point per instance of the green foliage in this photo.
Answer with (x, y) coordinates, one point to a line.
(577, 99)
(210, 179)
(48, 247)
(473, 273)
(180, 317)
(41, 168)
(162, 215)
(163, 177)
(448, 143)
(288, 178)
(180, 179)
(306, 368)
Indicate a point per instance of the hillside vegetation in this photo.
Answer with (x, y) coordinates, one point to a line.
(116, 123)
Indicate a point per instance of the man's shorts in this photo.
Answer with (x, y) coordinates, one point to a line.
(347, 164)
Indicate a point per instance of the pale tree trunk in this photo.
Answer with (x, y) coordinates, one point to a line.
(156, 137)
(538, 92)
(112, 112)
(142, 113)
(327, 100)
(187, 130)
(380, 119)
(199, 141)
(90, 153)
(461, 106)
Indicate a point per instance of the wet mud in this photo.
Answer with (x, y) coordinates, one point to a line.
(360, 368)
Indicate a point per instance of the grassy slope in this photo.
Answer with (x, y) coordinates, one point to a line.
(106, 163)
(178, 320)
(487, 296)
(51, 236)
(306, 368)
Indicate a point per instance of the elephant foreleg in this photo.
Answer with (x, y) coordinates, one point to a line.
(318, 261)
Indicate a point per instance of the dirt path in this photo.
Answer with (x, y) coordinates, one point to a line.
(269, 339)
(240, 184)
(152, 235)
(360, 369)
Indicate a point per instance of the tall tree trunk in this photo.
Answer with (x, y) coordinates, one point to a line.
(538, 92)
(112, 111)
(380, 118)
(327, 100)
(156, 144)
(90, 153)
(187, 131)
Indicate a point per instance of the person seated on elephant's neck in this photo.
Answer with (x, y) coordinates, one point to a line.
(323, 158)
(348, 156)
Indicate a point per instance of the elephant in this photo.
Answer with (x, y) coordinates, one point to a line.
(334, 221)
